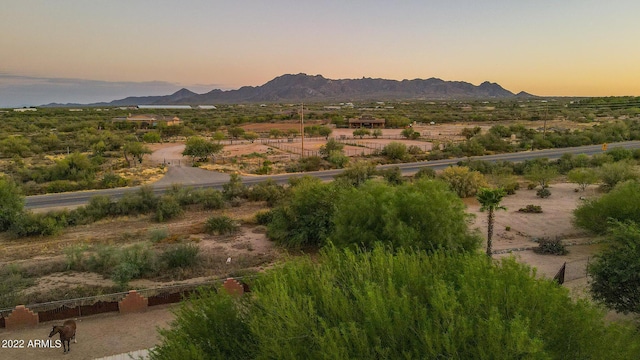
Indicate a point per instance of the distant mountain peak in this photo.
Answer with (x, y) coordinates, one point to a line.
(317, 88)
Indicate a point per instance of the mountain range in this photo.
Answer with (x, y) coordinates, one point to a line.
(316, 88)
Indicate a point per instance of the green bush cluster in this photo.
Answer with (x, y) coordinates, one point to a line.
(621, 204)
(551, 246)
(220, 225)
(534, 209)
(381, 305)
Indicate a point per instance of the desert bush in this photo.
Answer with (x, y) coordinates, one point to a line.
(338, 159)
(220, 225)
(267, 191)
(264, 217)
(534, 209)
(395, 150)
(392, 175)
(211, 199)
(613, 173)
(141, 257)
(30, 224)
(309, 309)
(123, 273)
(11, 203)
(304, 217)
(99, 207)
(13, 282)
(167, 208)
(158, 234)
(357, 173)
(74, 256)
(103, 259)
(621, 204)
(551, 246)
(234, 188)
(142, 201)
(543, 193)
(425, 172)
(181, 256)
(615, 273)
(111, 180)
(619, 154)
(425, 215)
(183, 194)
(462, 181)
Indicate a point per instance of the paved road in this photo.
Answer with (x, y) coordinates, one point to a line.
(201, 178)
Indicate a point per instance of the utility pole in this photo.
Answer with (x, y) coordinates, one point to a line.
(302, 128)
(544, 132)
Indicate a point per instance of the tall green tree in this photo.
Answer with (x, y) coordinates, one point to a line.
(490, 200)
(135, 149)
(200, 149)
(425, 215)
(11, 203)
(615, 273)
(403, 305)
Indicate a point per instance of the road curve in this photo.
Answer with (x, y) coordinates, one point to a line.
(203, 178)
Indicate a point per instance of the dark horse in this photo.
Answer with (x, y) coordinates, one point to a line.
(67, 332)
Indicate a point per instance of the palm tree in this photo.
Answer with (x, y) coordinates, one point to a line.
(490, 200)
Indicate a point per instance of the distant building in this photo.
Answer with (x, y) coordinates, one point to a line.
(150, 119)
(174, 107)
(366, 121)
(207, 107)
(25, 109)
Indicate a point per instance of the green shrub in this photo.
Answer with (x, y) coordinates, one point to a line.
(425, 172)
(167, 208)
(392, 175)
(142, 201)
(111, 180)
(264, 217)
(395, 150)
(357, 173)
(543, 193)
(534, 209)
(220, 225)
(140, 256)
(551, 246)
(234, 188)
(615, 273)
(99, 207)
(462, 181)
(181, 256)
(30, 224)
(304, 217)
(125, 272)
(425, 215)
(103, 259)
(267, 191)
(158, 234)
(75, 257)
(210, 199)
(621, 204)
(407, 305)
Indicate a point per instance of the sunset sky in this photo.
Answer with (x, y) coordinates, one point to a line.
(100, 50)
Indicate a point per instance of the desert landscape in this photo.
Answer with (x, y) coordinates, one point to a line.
(515, 235)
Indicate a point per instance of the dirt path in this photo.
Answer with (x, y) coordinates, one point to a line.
(98, 336)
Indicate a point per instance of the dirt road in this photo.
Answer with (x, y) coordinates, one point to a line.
(98, 336)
